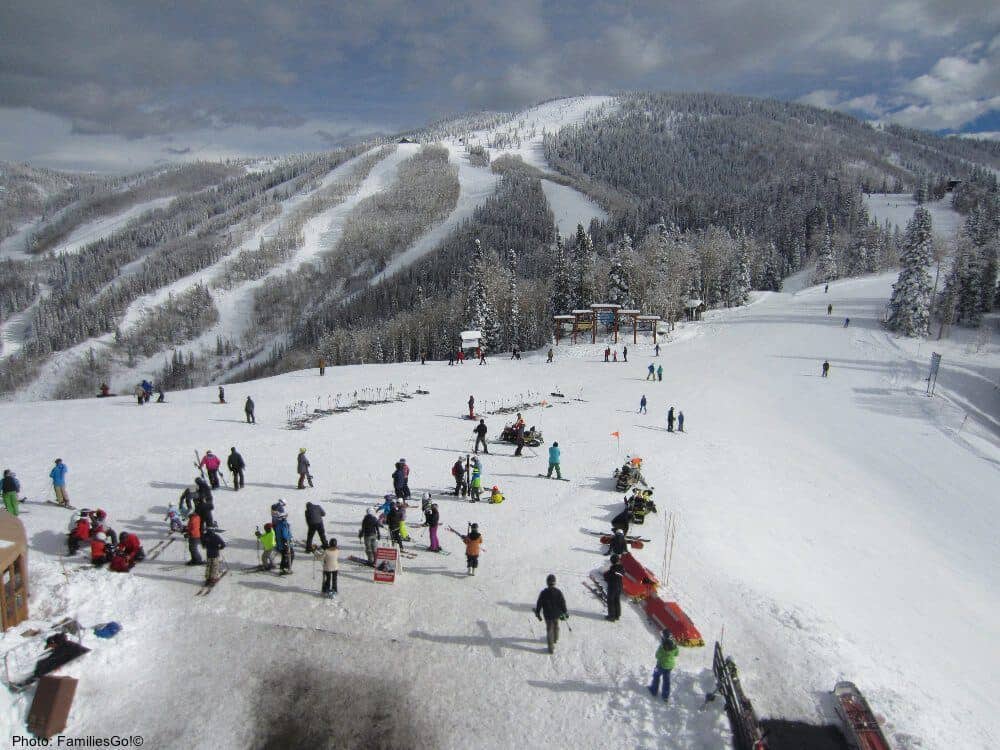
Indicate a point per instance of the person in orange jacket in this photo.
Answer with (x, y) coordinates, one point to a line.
(100, 551)
(473, 542)
(193, 534)
(79, 533)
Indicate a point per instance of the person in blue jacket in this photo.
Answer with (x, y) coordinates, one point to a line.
(554, 456)
(283, 539)
(58, 475)
(642, 404)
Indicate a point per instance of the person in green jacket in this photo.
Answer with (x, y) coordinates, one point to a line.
(659, 373)
(268, 542)
(666, 659)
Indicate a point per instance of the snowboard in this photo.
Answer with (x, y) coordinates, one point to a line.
(561, 479)
(860, 724)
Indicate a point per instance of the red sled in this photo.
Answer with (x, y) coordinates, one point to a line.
(670, 616)
(635, 590)
(633, 543)
(862, 728)
(638, 572)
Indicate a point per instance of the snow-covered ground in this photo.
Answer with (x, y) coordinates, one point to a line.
(571, 207)
(833, 528)
(898, 208)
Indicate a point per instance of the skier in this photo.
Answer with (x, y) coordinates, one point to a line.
(496, 496)
(458, 474)
(79, 533)
(175, 522)
(214, 545)
(829, 309)
(212, 463)
(551, 354)
(394, 520)
(236, 465)
(555, 455)
(248, 410)
(847, 322)
(826, 368)
(614, 356)
(10, 487)
(666, 659)
(552, 604)
(625, 353)
(203, 503)
(283, 542)
(222, 395)
(607, 353)
(642, 404)
(482, 356)
(656, 349)
(472, 408)
(515, 354)
(659, 373)
(278, 510)
(302, 466)
(670, 419)
(451, 359)
(58, 476)
(370, 535)
(147, 390)
(613, 577)
(460, 357)
(160, 396)
(193, 534)
(473, 544)
(399, 481)
(618, 544)
(267, 543)
(481, 430)
(314, 524)
(826, 289)
(519, 435)
(331, 564)
(476, 484)
(652, 372)
(423, 358)
(680, 421)
(432, 519)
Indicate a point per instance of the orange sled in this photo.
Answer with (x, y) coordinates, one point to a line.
(638, 573)
(670, 616)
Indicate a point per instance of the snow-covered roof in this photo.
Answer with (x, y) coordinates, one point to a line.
(649, 317)
(563, 317)
(694, 303)
(628, 312)
(605, 306)
(471, 334)
(582, 312)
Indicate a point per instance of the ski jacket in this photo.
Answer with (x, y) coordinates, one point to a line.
(211, 462)
(477, 471)
(130, 546)
(659, 370)
(551, 603)
(213, 544)
(554, 454)
(58, 475)
(642, 401)
(496, 497)
(282, 532)
(670, 414)
(386, 507)
(194, 526)
(248, 406)
(267, 540)
(432, 518)
(399, 478)
(331, 559)
(458, 469)
(667, 658)
(303, 464)
(651, 369)
(393, 519)
(481, 429)
(10, 484)
(613, 577)
(235, 461)
(472, 402)
(98, 550)
(618, 545)
(314, 515)
(472, 543)
(204, 491)
(81, 530)
(369, 527)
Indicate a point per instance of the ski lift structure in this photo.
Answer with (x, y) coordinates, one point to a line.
(471, 339)
(608, 314)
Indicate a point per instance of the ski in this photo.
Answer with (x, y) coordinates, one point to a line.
(561, 479)
(606, 537)
(207, 588)
(441, 551)
(161, 545)
(197, 464)
(596, 590)
(359, 561)
(67, 506)
(633, 542)
(255, 569)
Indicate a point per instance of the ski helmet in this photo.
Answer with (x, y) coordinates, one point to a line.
(551, 579)
(495, 488)
(302, 450)
(426, 496)
(268, 527)
(475, 526)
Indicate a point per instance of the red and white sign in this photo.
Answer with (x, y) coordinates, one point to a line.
(386, 564)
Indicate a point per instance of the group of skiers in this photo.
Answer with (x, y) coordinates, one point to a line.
(613, 355)
(120, 551)
(143, 392)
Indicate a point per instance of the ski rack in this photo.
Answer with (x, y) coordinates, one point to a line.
(747, 731)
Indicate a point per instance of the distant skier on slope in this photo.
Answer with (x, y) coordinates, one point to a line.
(222, 395)
(302, 467)
(670, 419)
(552, 604)
(651, 370)
(659, 373)
(642, 404)
(826, 368)
(472, 408)
(680, 421)
(551, 355)
(625, 353)
(248, 410)
(236, 464)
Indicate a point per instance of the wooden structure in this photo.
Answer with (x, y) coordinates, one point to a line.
(560, 321)
(605, 308)
(13, 571)
(471, 339)
(694, 308)
(49, 710)
(654, 322)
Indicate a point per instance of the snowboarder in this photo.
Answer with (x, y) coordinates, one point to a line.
(248, 410)
(666, 659)
(829, 309)
(458, 474)
(10, 487)
(642, 404)
(236, 466)
(302, 466)
(58, 476)
(555, 455)
(193, 535)
(432, 519)
(826, 368)
(618, 544)
(222, 395)
(481, 430)
(625, 353)
(473, 544)
(680, 421)
(670, 419)
(212, 463)
(652, 372)
(551, 355)
(552, 604)
(607, 353)
(847, 322)
(659, 373)
(268, 544)
(656, 350)
(314, 525)
(214, 545)
(283, 542)
(613, 577)
(370, 534)
(472, 408)
(331, 564)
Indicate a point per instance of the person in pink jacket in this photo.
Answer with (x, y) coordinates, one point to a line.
(211, 463)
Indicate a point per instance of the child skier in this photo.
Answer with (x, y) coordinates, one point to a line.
(555, 455)
(432, 519)
(331, 563)
(473, 544)
(214, 545)
(496, 496)
(268, 543)
(174, 519)
(666, 659)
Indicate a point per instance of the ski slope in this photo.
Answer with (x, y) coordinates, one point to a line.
(898, 208)
(837, 528)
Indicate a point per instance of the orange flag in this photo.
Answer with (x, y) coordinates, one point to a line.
(616, 434)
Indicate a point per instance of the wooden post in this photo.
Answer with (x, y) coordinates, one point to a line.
(635, 330)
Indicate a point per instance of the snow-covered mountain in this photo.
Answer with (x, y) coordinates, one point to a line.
(826, 528)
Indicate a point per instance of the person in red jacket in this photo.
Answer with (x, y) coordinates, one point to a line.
(211, 462)
(79, 533)
(99, 549)
(131, 547)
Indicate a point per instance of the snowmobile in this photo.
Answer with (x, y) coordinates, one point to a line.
(629, 474)
(640, 503)
(532, 437)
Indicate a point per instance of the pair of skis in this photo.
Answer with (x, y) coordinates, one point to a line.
(209, 587)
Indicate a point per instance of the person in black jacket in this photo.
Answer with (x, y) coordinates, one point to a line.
(248, 410)
(213, 551)
(519, 437)
(236, 466)
(203, 503)
(622, 521)
(314, 524)
(393, 519)
(552, 604)
(370, 534)
(432, 518)
(613, 578)
(480, 431)
(618, 544)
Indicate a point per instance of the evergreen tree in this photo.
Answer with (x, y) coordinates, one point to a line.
(826, 260)
(618, 283)
(583, 268)
(482, 314)
(739, 287)
(514, 315)
(988, 276)
(563, 300)
(962, 295)
(909, 308)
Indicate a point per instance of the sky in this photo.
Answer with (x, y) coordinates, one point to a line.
(114, 85)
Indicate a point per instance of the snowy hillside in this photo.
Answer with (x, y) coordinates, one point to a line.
(837, 528)
(897, 209)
